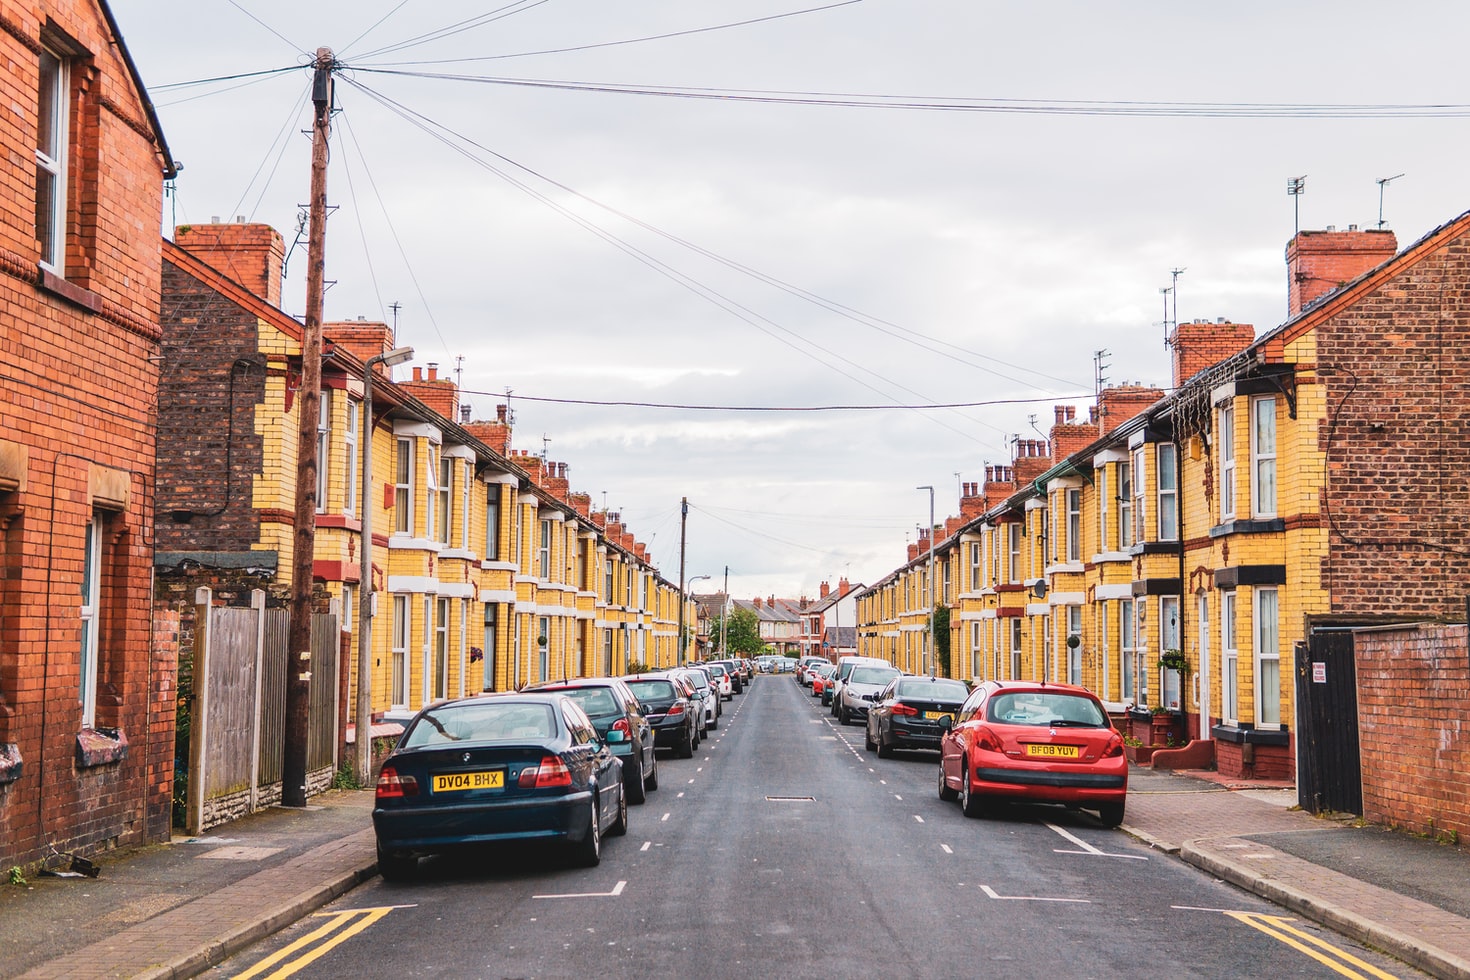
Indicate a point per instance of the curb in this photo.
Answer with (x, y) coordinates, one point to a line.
(1410, 950)
(218, 950)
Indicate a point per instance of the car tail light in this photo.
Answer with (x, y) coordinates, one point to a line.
(1114, 747)
(987, 740)
(392, 785)
(677, 709)
(905, 709)
(621, 725)
(551, 772)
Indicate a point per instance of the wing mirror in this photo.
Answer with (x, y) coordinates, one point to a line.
(614, 736)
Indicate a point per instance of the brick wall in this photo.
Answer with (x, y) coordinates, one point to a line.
(249, 254)
(1396, 501)
(1201, 344)
(1413, 720)
(1319, 262)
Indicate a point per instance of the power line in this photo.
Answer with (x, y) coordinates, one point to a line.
(921, 407)
(459, 27)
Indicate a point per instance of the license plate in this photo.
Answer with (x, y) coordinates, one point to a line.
(1052, 751)
(456, 782)
(936, 715)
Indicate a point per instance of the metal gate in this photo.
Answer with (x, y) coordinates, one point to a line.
(1328, 769)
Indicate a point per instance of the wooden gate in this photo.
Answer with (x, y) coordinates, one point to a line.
(1328, 769)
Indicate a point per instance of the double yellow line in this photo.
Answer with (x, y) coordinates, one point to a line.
(1330, 956)
(339, 927)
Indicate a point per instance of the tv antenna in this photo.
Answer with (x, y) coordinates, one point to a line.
(1382, 183)
(1295, 188)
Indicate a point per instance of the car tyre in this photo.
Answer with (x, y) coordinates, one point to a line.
(715, 724)
(1111, 814)
(686, 750)
(396, 867)
(945, 793)
(620, 825)
(588, 851)
(885, 749)
(651, 783)
(971, 804)
(843, 717)
(633, 790)
(868, 742)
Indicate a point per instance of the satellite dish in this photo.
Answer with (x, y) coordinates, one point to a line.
(1039, 589)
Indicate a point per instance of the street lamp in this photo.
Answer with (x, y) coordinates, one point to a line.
(930, 651)
(365, 575)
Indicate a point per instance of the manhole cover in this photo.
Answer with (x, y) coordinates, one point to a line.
(791, 799)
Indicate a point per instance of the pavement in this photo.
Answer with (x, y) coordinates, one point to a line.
(176, 909)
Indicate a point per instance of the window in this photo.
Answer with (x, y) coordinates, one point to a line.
(1014, 541)
(1268, 659)
(975, 567)
(467, 475)
(975, 637)
(945, 591)
(91, 589)
(1125, 506)
(464, 633)
(1127, 649)
(1104, 686)
(54, 93)
(323, 447)
(446, 494)
(403, 489)
(1074, 650)
(1168, 479)
(1263, 457)
(1138, 472)
(1229, 666)
(492, 526)
(491, 645)
(1102, 509)
(1074, 525)
(1202, 676)
(401, 633)
(607, 578)
(1015, 649)
(1169, 639)
(441, 648)
(347, 610)
(607, 652)
(354, 476)
(431, 472)
(1226, 436)
(543, 556)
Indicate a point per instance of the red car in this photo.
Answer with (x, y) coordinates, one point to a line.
(1035, 743)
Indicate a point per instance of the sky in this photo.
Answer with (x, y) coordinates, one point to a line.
(856, 209)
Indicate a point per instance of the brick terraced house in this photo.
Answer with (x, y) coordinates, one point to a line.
(86, 702)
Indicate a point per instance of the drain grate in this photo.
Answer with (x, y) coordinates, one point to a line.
(791, 799)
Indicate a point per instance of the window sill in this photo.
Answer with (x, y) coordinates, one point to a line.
(1245, 733)
(70, 292)
(1265, 525)
(101, 747)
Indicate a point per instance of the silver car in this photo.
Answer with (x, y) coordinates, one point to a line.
(704, 686)
(856, 695)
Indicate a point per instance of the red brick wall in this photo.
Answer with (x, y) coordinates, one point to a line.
(1318, 262)
(249, 254)
(1396, 501)
(78, 389)
(1413, 722)
(1196, 346)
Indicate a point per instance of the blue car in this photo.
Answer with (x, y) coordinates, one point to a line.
(499, 767)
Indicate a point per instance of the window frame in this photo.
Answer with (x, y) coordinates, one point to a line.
(1102, 510)
(1226, 433)
(493, 496)
(446, 498)
(1167, 491)
(354, 460)
(1073, 498)
(323, 447)
(1266, 655)
(399, 655)
(1127, 534)
(404, 461)
(54, 161)
(490, 651)
(1138, 474)
(1263, 459)
(1013, 547)
(90, 614)
(1229, 660)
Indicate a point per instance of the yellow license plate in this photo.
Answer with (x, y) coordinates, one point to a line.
(456, 782)
(936, 715)
(1052, 751)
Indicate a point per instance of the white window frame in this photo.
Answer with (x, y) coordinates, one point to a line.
(464, 634)
(1263, 457)
(403, 473)
(1171, 637)
(431, 492)
(52, 162)
(354, 462)
(323, 447)
(466, 477)
(1104, 680)
(1017, 641)
(91, 618)
(1266, 612)
(1128, 649)
(1074, 654)
(446, 498)
(1202, 676)
(1226, 433)
(1013, 546)
(492, 521)
(1139, 475)
(399, 651)
(1102, 509)
(543, 553)
(1229, 661)
(1126, 525)
(975, 645)
(975, 579)
(1167, 460)
(491, 649)
(1073, 497)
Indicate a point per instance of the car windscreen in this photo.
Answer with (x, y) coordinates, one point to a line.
(653, 690)
(935, 690)
(1046, 708)
(871, 675)
(594, 701)
(488, 722)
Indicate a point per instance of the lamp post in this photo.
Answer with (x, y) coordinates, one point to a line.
(725, 611)
(930, 652)
(690, 586)
(366, 596)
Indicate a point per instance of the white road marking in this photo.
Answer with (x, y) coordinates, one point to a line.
(918, 818)
(680, 796)
(945, 848)
(897, 797)
(617, 890)
(882, 782)
(698, 769)
(663, 818)
(1088, 848)
(1202, 908)
(646, 845)
(1029, 898)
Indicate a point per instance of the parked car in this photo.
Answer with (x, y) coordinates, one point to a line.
(821, 676)
(803, 668)
(913, 713)
(620, 722)
(1033, 742)
(720, 678)
(856, 696)
(844, 667)
(709, 695)
(671, 708)
(735, 672)
(497, 767)
(785, 665)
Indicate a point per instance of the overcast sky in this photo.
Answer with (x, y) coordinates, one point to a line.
(583, 241)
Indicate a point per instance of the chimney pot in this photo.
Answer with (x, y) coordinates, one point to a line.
(418, 373)
(433, 371)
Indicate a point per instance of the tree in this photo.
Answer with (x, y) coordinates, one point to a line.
(742, 633)
(941, 639)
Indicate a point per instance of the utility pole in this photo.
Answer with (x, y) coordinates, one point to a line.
(298, 658)
(683, 526)
(929, 654)
(725, 612)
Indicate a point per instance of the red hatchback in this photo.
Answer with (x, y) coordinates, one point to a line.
(1035, 743)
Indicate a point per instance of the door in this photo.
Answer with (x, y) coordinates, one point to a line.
(1329, 768)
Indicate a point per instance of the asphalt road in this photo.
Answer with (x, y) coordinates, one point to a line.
(784, 849)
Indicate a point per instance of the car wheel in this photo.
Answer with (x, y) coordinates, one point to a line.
(686, 751)
(714, 724)
(971, 804)
(843, 717)
(885, 750)
(633, 790)
(651, 783)
(868, 742)
(588, 851)
(620, 825)
(1111, 814)
(396, 867)
(945, 793)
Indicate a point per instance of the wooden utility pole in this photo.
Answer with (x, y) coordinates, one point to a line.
(308, 398)
(683, 526)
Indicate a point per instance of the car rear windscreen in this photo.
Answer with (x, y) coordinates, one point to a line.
(653, 690)
(494, 722)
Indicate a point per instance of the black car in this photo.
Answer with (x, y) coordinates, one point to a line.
(671, 708)
(620, 722)
(913, 713)
(495, 768)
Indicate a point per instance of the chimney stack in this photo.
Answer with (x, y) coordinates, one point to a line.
(1319, 262)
